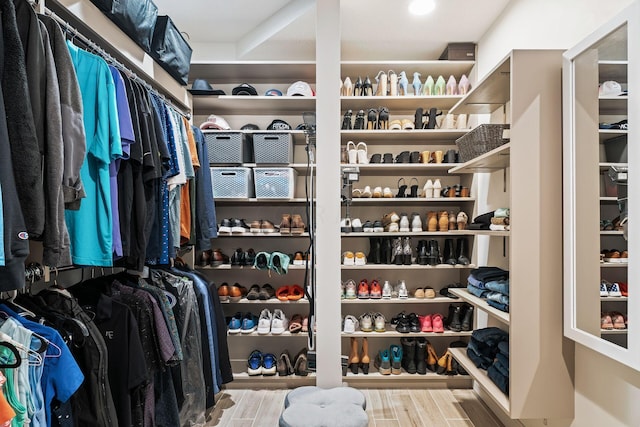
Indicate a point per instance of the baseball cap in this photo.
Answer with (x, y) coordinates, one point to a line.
(273, 92)
(202, 87)
(215, 122)
(610, 88)
(244, 89)
(300, 88)
(278, 124)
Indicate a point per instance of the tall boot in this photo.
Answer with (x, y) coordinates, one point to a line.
(463, 251)
(421, 356)
(354, 360)
(407, 251)
(447, 320)
(375, 251)
(408, 355)
(432, 357)
(386, 250)
(467, 319)
(433, 256)
(364, 359)
(421, 253)
(398, 253)
(449, 255)
(455, 324)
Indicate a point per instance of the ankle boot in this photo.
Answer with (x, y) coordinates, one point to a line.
(408, 355)
(354, 360)
(449, 255)
(421, 253)
(364, 359)
(387, 251)
(456, 319)
(467, 319)
(447, 321)
(443, 363)
(463, 251)
(421, 356)
(407, 251)
(432, 357)
(375, 251)
(398, 252)
(431, 121)
(443, 221)
(433, 257)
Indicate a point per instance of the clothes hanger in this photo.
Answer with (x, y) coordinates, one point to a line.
(36, 358)
(17, 359)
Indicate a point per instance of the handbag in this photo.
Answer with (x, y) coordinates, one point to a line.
(137, 18)
(171, 50)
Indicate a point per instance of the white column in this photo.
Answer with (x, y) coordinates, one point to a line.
(328, 343)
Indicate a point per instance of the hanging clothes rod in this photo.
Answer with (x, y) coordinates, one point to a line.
(103, 53)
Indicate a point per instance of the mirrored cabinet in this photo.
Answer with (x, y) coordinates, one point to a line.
(600, 101)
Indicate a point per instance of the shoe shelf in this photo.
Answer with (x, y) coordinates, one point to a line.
(302, 168)
(397, 104)
(489, 93)
(404, 376)
(609, 199)
(495, 159)
(614, 299)
(259, 235)
(480, 376)
(269, 301)
(604, 134)
(353, 69)
(481, 304)
(240, 267)
(255, 72)
(391, 332)
(409, 300)
(605, 165)
(414, 136)
(613, 105)
(409, 234)
(614, 264)
(250, 105)
(268, 202)
(391, 168)
(482, 233)
(243, 380)
(409, 200)
(613, 70)
(611, 233)
(285, 334)
(613, 331)
(407, 267)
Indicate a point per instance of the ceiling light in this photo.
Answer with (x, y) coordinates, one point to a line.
(421, 7)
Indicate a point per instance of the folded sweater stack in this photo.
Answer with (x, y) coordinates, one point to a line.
(492, 284)
(497, 220)
(483, 346)
(498, 372)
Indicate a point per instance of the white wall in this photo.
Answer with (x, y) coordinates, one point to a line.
(607, 393)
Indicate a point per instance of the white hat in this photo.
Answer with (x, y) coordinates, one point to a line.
(610, 88)
(215, 122)
(300, 89)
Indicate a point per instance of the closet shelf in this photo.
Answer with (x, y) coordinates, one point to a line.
(285, 334)
(604, 166)
(397, 104)
(613, 105)
(410, 200)
(253, 105)
(496, 159)
(255, 72)
(481, 304)
(483, 233)
(298, 136)
(269, 301)
(415, 136)
(393, 333)
(407, 267)
(613, 70)
(258, 235)
(410, 300)
(614, 265)
(613, 331)
(244, 380)
(480, 376)
(609, 199)
(614, 299)
(395, 168)
(611, 233)
(302, 168)
(409, 234)
(489, 93)
(353, 69)
(268, 202)
(605, 134)
(404, 376)
(234, 267)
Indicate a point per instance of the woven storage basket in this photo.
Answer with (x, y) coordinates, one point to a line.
(480, 140)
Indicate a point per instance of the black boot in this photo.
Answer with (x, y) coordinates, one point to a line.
(421, 356)
(408, 355)
(387, 251)
(463, 251)
(467, 319)
(375, 251)
(455, 324)
(431, 121)
(407, 251)
(449, 255)
(421, 253)
(398, 253)
(433, 253)
(447, 320)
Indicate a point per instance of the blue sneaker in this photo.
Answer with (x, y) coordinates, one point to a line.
(604, 292)
(382, 362)
(254, 363)
(249, 323)
(614, 290)
(235, 323)
(396, 359)
(269, 364)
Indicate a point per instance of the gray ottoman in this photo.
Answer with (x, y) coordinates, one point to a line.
(315, 407)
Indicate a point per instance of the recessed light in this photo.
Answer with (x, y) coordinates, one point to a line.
(421, 7)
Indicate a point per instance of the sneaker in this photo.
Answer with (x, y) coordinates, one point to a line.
(350, 324)
(235, 323)
(269, 363)
(403, 293)
(375, 291)
(367, 227)
(345, 225)
(396, 359)
(356, 225)
(416, 223)
(267, 226)
(386, 290)
(614, 290)
(603, 289)
(390, 218)
(279, 322)
(285, 224)
(360, 259)
(342, 290)
(383, 362)
(425, 323)
(348, 258)
(366, 322)
(256, 226)
(225, 226)
(363, 289)
(379, 322)
(404, 226)
(392, 227)
(350, 289)
(297, 225)
(266, 292)
(264, 322)
(238, 226)
(378, 227)
(249, 323)
(254, 363)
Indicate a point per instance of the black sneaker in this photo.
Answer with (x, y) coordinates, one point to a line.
(238, 257)
(225, 226)
(238, 226)
(249, 257)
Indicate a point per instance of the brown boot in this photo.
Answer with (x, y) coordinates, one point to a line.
(432, 357)
(354, 360)
(297, 226)
(285, 224)
(364, 360)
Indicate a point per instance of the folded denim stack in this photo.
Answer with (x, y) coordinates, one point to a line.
(498, 372)
(492, 284)
(497, 220)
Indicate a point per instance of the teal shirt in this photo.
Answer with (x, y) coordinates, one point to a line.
(90, 227)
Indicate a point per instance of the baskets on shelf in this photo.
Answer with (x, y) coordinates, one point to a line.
(480, 140)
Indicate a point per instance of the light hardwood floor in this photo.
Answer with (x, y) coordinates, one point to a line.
(386, 408)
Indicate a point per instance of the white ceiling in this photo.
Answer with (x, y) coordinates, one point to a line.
(285, 29)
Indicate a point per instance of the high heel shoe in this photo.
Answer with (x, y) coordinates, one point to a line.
(427, 90)
(413, 188)
(401, 188)
(463, 85)
(357, 88)
(381, 88)
(403, 84)
(347, 87)
(383, 118)
(440, 88)
(367, 87)
(452, 86)
(427, 190)
(437, 187)
(372, 118)
(418, 123)
(359, 123)
(363, 157)
(433, 114)
(393, 83)
(354, 359)
(346, 120)
(417, 84)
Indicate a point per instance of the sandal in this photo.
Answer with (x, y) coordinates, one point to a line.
(283, 293)
(363, 158)
(295, 293)
(305, 324)
(606, 322)
(401, 188)
(462, 220)
(414, 187)
(607, 225)
(352, 153)
(295, 325)
(618, 320)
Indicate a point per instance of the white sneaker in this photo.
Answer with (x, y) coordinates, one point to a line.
(366, 192)
(428, 189)
(386, 290)
(416, 223)
(360, 259)
(350, 289)
(352, 153)
(604, 292)
(614, 290)
(346, 225)
(279, 323)
(350, 324)
(264, 322)
(356, 225)
(404, 223)
(348, 258)
(379, 322)
(437, 187)
(366, 323)
(402, 290)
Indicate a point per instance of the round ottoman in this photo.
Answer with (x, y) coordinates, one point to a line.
(312, 406)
